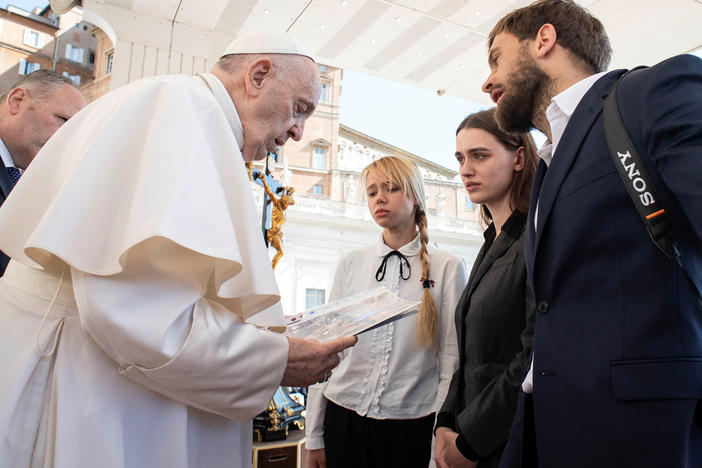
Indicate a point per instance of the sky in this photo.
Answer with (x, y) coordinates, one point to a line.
(413, 119)
(27, 5)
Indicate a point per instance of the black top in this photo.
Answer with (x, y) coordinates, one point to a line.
(494, 326)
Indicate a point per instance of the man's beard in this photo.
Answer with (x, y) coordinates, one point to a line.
(525, 90)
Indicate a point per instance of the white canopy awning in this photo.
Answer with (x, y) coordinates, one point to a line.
(434, 44)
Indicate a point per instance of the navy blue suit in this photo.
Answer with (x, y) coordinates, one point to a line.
(5, 188)
(618, 335)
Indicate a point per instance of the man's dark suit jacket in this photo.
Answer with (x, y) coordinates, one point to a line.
(491, 317)
(618, 336)
(5, 188)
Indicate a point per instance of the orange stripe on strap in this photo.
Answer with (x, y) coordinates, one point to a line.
(653, 215)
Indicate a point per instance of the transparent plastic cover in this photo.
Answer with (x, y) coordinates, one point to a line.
(350, 316)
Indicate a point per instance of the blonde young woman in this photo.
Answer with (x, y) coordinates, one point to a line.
(378, 407)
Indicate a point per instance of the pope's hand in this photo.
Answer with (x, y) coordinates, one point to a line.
(310, 361)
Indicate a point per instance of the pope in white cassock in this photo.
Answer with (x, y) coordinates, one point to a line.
(137, 259)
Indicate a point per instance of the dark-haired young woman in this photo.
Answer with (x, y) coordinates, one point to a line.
(494, 321)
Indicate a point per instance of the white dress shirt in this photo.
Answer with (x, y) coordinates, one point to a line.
(386, 375)
(558, 114)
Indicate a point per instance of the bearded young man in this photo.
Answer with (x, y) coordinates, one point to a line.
(616, 375)
(136, 262)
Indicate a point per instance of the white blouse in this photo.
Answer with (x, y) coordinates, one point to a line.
(387, 375)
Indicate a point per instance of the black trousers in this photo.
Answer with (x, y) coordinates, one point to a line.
(353, 441)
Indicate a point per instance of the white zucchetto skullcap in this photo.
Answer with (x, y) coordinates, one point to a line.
(266, 42)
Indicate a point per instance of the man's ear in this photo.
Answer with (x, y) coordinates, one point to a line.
(545, 40)
(257, 72)
(15, 99)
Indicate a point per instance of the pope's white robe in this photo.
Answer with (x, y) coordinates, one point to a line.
(137, 256)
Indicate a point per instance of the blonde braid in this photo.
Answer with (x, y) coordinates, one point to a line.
(428, 321)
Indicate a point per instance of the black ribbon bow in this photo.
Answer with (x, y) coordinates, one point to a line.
(380, 274)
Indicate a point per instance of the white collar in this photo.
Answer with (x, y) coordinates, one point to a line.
(225, 102)
(6, 156)
(408, 250)
(563, 105)
(546, 152)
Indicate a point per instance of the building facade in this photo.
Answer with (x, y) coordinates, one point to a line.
(41, 39)
(330, 214)
(26, 44)
(104, 54)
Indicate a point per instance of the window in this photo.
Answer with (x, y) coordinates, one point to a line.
(319, 158)
(91, 57)
(324, 97)
(323, 68)
(108, 66)
(469, 204)
(74, 78)
(32, 38)
(313, 297)
(74, 53)
(317, 189)
(25, 68)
